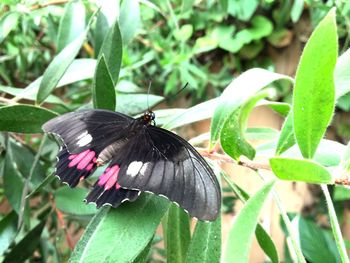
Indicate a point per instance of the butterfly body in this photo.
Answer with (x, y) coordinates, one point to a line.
(140, 157)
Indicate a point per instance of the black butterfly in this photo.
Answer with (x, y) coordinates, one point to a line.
(141, 157)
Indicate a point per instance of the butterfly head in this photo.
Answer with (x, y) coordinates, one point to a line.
(149, 117)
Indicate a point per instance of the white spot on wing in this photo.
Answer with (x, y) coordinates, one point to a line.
(144, 168)
(84, 139)
(134, 168)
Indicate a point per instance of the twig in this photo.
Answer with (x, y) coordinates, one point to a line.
(56, 2)
(228, 159)
(63, 226)
(7, 101)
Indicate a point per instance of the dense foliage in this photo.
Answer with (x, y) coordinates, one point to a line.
(60, 56)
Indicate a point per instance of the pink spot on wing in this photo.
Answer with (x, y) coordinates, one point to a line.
(83, 160)
(117, 186)
(72, 156)
(89, 167)
(109, 177)
(77, 158)
(86, 160)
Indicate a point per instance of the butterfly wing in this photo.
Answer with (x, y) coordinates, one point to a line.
(163, 163)
(84, 134)
(87, 129)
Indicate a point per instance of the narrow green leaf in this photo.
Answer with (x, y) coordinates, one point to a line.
(19, 91)
(8, 230)
(239, 90)
(198, 112)
(105, 19)
(13, 182)
(143, 256)
(80, 69)
(58, 67)
(342, 75)
(232, 137)
(286, 139)
(177, 234)
(187, 5)
(72, 23)
(26, 247)
(261, 133)
(132, 104)
(242, 231)
(129, 20)
(279, 107)
(24, 118)
(71, 201)
(315, 242)
(112, 49)
(300, 170)
(45, 182)
(103, 92)
(297, 9)
(8, 22)
(264, 239)
(313, 101)
(127, 231)
(335, 226)
(205, 246)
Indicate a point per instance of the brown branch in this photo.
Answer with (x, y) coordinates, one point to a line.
(7, 101)
(56, 2)
(63, 226)
(343, 181)
(228, 159)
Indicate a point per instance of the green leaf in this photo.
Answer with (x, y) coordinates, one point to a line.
(26, 247)
(300, 170)
(129, 20)
(341, 193)
(261, 134)
(72, 24)
(279, 107)
(105, 19)
(342, 75)
(232, 136)
(286, 139)
(19, 91)
(313, 101)
(239, 90)
(13, 182)
(127, 231)
(177, 234)
(339, 241)
(241, 233)
(243, 10)
(8, 230)
(315, 242)
(112, 49)
(45, 182)
(264, 240)
(8, 22)
(198, 112)
(132, 104)
(71, 201)
(80, 69)
(297, 10)
(58, 67)
(103, 92)
(24, 118)
(205, 246)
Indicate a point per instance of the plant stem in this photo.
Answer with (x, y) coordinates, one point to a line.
(26, 185)
(172, 14)
(295, 244)
(335, 225)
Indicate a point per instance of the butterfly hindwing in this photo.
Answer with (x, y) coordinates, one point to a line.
(165, 164)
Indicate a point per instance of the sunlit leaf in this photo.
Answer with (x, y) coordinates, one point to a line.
(314, 94)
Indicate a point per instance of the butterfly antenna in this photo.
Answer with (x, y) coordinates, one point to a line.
(148, 91)
(177, 93)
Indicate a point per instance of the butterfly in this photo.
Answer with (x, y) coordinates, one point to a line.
(140, 157)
